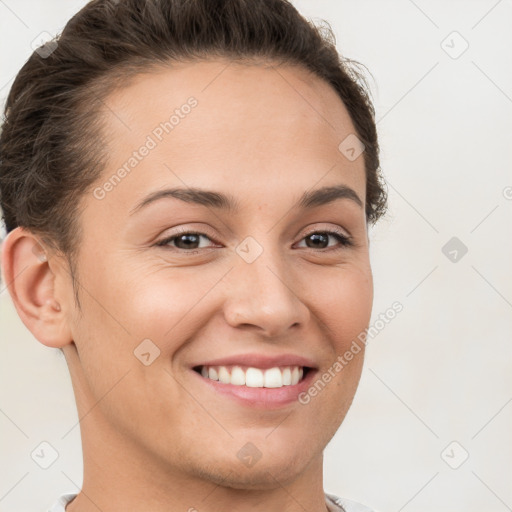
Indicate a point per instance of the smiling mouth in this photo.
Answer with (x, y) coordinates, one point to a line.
(247, 376)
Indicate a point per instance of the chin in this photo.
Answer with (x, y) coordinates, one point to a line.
(250, 463)
(262, 476)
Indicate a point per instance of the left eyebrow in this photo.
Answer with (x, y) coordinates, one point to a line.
(218, 200)
(327, 195)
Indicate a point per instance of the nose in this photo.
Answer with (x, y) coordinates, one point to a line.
(265, 296)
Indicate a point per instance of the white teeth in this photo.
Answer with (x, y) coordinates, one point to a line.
(224, 376)
(237, 376)
(273, 378)
(254, 377)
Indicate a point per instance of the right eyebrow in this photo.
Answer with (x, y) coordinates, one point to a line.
(208, 198)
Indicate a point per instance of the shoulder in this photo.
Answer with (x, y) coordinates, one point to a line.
(60, 504)
(346, 505)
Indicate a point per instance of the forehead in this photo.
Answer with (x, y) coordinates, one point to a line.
(252, 128)
(229, 90)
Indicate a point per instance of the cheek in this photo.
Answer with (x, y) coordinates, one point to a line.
(169, 306)
(344, 307)
(165, 302)
(344, 304)
(137, 300)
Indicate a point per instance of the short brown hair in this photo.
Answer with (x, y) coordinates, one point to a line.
(51, 147)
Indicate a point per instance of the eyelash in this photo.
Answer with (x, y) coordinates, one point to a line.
(344, 240)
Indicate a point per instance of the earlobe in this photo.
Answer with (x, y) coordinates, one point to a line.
(31, 283)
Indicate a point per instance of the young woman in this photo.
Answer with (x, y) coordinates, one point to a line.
(187, 186)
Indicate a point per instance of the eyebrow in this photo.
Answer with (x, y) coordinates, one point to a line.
(221, 201)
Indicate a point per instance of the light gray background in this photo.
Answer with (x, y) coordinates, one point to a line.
(441, 370)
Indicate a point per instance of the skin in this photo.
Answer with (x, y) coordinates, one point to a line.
(155, 437)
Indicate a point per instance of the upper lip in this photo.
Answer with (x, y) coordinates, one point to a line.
(260, 361)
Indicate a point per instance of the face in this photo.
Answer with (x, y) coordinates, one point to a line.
(170, 286)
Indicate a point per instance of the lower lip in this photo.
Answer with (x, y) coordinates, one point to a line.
(263, 398)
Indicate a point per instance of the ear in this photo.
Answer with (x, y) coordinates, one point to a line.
(31, 279)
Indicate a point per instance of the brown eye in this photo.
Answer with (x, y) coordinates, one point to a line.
(186, 241)
(320, 239)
